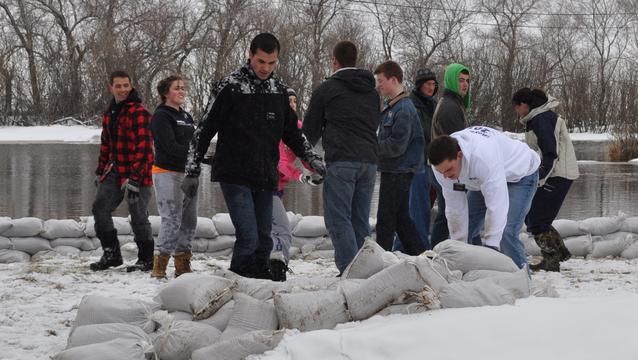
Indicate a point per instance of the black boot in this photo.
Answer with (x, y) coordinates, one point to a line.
(564, 251)
(278, 269)
(144, 256)
(112, 256)
(548, 242)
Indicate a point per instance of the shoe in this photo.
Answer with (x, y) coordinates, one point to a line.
(144, 256)
(112, 256)
(278, 270)
(546, 265)
(160, 262)
(548, 242)
(564, 251)
(141, 265)
(182, 263)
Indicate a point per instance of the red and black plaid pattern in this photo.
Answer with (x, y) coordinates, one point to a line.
(130, 148)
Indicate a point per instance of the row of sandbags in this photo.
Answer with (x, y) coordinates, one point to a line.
(223, 316)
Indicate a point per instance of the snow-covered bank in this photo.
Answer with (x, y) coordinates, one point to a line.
(53, 134)
(594, 137)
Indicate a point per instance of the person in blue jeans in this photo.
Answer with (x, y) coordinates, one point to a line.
(487, 178)
(344, 113)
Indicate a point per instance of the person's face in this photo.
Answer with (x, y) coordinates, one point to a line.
(521, 109)
(263, 63)
(386, 86)
(428, 87)
(176, 95)
(293, 102)
(451, 169)
(120, 88)
(464, 83)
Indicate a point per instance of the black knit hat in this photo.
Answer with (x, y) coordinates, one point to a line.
(533, 98)
(423, 75)
(291, 92)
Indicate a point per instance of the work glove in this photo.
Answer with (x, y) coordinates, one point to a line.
(318, 166)
(310, 179)
(133, 190)
(190, 185)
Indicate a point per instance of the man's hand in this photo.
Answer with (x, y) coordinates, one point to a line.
(318, 166)
(133, 189)
(311, 179)
(190, 185)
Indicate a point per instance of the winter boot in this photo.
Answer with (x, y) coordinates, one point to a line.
(182, 263)
(112, 256)
(278, 267)
(550, 251)
(144, 256)
(564, 251)
(160, 262)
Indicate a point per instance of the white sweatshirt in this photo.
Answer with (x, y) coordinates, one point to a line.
(490, 160)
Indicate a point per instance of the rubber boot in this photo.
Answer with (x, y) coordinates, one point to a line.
(564, 251)
(144, 256)
(278, 266)
(160, 262)
(182, 263)
(548, 243)
(112, 256)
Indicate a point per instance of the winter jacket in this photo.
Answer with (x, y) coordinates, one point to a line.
(126, 141)
(451, 81)
(546, 133)
(425, 106)
(250, 116)
(490, 161)
(172, 132)
(344, 112)
(449, 116)
(288, 171)
(401, 142)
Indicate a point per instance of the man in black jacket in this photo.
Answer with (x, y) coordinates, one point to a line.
(345, 112)
(250, 112)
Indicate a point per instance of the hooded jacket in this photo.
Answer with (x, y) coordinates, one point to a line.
(449, 116)
(172, 132)
(546, 133)
(425, 106)
(345, 112)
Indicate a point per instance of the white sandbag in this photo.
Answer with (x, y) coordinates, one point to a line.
(82, 243)
(199, 294)
(118, 349)
(311, 310)
(96, 309)
(318, 254)
(631, 252)
(205, 228)
(125, 239)
(434, 277)
(541, 288)
(222, 242)
(611, 248)
(223, 224)
(67, 250)
(24, 227)
(68, 228)
(220, 253)
(466, 257)
(474, 293)
(531, 247)
(5, 243)
(221, 317)
(30, 245)
(373, 224)
(98, 333)
(517, 283)
(630, 224)
(579, 245)
(294, 252)
(439, 265)
(310, 226)
(199, 245)
(602, 225)
(256, 342)
(13, 256)
(129, 251)
(5, 224)
(121, 224)
(303, 241)
(180, 338)
(44, 255)
(293, 219)
(156, 224)
(617, 236)
(568, 228)
(261, 289)
(181, 315)
(402, 309)
(249, 314)
(367, 262)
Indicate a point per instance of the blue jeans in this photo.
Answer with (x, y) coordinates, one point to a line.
(419, 209)
(251, 213)
(347, 194)
(520, 199)
(440, 231)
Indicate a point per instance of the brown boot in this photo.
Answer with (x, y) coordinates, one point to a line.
(159, 265)
(182, 263)
(564, 251)
(548, 243)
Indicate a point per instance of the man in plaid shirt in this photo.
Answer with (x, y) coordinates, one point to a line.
(124, 168)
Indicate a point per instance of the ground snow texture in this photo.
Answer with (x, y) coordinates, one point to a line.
(595, 317)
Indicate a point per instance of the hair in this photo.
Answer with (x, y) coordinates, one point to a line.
(165, 84)
(443, 148)
(390, 69)
(346, 53)
(533, 98)
(266, 42)
(118, 74)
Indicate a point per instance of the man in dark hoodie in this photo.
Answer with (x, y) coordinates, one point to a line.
(345, 112)
(124, 166)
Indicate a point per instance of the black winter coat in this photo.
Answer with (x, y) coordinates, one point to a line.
(449, 116)
(172, 132)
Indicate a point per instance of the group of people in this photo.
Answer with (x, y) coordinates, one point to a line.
(369, 123)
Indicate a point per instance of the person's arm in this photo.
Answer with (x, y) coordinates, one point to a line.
(456, 210)
(543, 128)
(164, 137)
(314, 122)
(286, 167)
(491, 173)
(143, 144)
(451, 118)
(105, 149)
(400, 131)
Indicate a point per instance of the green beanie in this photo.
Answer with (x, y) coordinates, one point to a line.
(451, 81)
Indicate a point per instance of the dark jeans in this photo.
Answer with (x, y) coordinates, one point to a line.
(546, 203)
(394, 214)
(419, 209)
(108, 198)
(440, 231)
(251, 213)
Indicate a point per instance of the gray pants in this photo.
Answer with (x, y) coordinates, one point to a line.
(281, 232)
(178, 213)
(108, 198)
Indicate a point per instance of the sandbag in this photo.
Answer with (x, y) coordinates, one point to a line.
(222, 242)
(205, 228)
(13, 256)
(367, 262)
(181, 315)
(156, 224)
(630, 224)
(602, 225)
(125, 239)
(118, 349)
(617, 236)
(98, 333)
(517, 283)
(198, 294)
(300, 242)
(256, 342)
(121, 224)
(439, 266)
(199, 245)
(223, 224)
(311, 310)
(129, 251)
(44, 255)
(221, 317)
(82, 243)
(180, 338)
(249, 314)
(481, 292)
(568, 228)
(541, 288)
(5, 224)
(96, 309)
(54, 229)
(631, 252)
(30, 245)
(466, 257)
(293, 219)
(310, 226)
(220, 253)
(260, 289)
(67, 250)
(313, 254)
(611, 248)
(402, 309)
(579, 245)
(5, 243)
(531, 247)
(24, 227)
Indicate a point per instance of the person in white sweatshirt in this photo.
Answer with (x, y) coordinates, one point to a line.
(487, 179)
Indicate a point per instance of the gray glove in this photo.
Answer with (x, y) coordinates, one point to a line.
(311, 179)
(133, 189)
(318, 166)
(190, 185)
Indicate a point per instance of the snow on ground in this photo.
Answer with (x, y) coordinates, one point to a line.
(53, 133)
(595, 318)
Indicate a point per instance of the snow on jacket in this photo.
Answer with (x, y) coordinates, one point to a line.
(490, 161)
(401, 142)
(287, 170)
(126, 141)
(172, 132)
(251, 116)
(546, 133)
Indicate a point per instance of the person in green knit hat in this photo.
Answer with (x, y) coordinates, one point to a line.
(449, 117)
